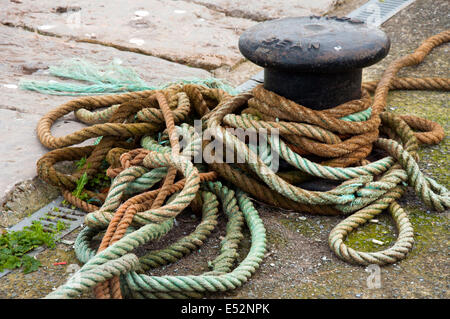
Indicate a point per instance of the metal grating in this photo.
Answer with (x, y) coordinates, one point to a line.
(252, 83)
(48, 215)
(376, 12)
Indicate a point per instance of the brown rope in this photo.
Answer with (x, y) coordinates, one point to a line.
(277, 111)
(308, 132)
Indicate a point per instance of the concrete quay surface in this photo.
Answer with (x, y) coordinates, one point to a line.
(166, 40)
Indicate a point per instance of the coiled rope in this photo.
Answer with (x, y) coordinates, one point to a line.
(147, 192)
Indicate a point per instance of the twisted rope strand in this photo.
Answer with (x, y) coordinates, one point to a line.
(146, 194)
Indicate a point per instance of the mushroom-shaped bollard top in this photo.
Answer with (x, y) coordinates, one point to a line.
(314, 61)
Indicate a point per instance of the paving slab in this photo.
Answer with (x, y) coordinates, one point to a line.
(19, 147)
(178, 31)
(27, 55)
(261, 10)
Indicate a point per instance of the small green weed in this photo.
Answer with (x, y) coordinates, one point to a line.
(96, 183)
(15, 245)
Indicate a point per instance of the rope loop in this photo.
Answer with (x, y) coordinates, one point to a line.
(149, 146)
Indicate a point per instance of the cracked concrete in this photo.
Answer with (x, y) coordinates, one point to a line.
(299, 263)
(27, 55)
(177, 31)
(209, 29)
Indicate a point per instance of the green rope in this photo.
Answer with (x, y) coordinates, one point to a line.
(117, 259)
(365, 191)
(110, 78)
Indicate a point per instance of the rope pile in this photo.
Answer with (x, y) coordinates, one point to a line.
(152, 184)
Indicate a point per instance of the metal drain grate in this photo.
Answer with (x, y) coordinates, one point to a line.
(252, 83)
(375, 12)
(50, 215)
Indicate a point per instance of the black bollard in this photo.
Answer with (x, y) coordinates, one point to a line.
(314, 61)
